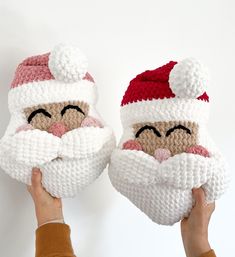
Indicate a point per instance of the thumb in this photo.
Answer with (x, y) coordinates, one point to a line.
(36, 179)
(199, 196)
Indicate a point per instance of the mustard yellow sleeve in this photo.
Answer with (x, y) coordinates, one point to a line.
(53, 239)
(211, 253)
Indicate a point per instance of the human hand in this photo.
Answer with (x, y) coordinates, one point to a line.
(47, 208)
(194, 229)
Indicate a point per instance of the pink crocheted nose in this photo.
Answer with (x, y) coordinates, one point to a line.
(58, 129)
(162, 154)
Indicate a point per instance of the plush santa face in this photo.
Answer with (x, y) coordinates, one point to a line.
(165, 150)
(54, 124)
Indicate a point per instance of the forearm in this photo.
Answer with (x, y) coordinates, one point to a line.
(53, 239)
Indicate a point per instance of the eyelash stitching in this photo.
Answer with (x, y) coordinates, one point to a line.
(156, 132)
(177, 127)
(71, 107)
(31, 116)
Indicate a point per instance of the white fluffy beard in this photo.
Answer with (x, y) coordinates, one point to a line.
(68, 164)
(163, 190)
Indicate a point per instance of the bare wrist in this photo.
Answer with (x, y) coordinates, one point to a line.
(195, 248)
(52, 221)
(43, 218)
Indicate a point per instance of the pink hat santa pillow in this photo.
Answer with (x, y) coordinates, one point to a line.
(165, 149)
(54, 124)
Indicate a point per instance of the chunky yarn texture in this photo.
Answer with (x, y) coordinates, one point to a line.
(54, 123)
(165, 149)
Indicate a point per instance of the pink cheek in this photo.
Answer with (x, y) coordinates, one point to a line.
(198, 149)
(24, 128)
(91, 122)
(132, 145)
(162, 154)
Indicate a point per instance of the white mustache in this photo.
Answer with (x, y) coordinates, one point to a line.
(36, 147)
(183, 171)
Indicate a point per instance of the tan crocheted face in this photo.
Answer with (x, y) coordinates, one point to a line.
(173, 135)
(70, 113)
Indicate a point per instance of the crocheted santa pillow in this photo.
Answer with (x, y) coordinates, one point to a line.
(165, 150)
(54, 124)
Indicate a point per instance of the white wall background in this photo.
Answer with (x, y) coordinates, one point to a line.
(121, 39)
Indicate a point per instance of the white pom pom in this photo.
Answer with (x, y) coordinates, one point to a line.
(188, 79)
(67, 63)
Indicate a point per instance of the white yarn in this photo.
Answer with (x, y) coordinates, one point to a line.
(163, 190)
(28, 147)
(167, 109)
(90, 141)
(188, 79)
(36, 147)
(80, 162)
(67, 63)
(50, 91)
(76, 159)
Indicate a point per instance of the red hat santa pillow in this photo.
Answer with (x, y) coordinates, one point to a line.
(54, 124)
(165, 150)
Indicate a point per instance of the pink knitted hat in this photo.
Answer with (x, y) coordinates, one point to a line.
(53, 77)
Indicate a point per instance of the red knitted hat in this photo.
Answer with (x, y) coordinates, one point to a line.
(174, 91)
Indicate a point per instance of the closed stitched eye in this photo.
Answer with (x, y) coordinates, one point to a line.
(67, 107)
(147, 127)
(34, 113)
(177, 127)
